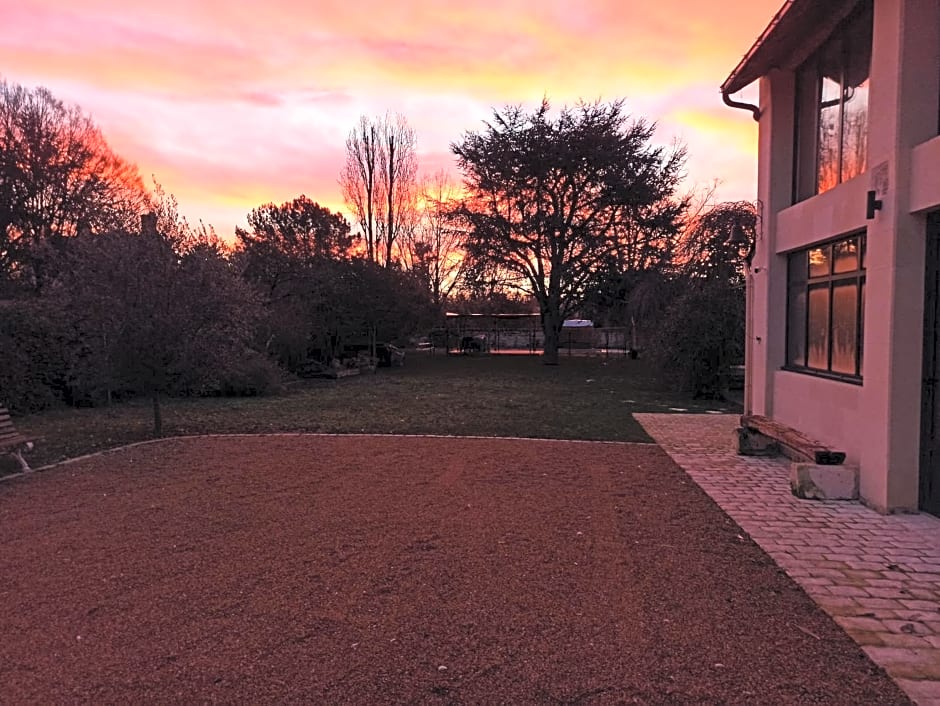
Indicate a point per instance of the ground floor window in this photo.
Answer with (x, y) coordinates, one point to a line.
(825, 307)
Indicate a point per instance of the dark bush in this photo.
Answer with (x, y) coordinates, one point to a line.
(32, 357)
(252, 375)
(700, 337)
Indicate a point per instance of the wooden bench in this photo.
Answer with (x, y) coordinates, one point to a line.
(11, 441)
(791, 443)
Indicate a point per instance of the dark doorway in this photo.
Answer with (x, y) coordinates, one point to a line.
(930, 412)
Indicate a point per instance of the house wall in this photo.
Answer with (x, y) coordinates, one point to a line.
(877, 423)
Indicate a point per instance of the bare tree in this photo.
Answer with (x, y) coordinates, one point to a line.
(397, 183)
(434, 249)
(359, 179)
(379, 183)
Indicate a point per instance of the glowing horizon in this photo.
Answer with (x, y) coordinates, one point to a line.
(229, 108)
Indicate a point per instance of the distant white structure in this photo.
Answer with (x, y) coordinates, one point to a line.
(843, 335)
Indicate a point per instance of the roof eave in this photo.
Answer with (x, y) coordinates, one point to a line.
(742, 75)
(796, 30)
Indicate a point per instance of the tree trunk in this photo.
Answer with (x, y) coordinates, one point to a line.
(551, 327)
(550, 349)
(157, 416)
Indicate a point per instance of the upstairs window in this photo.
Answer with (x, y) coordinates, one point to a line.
(832, 107)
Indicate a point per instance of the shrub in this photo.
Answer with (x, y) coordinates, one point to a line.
(701, 335)
(249, 376)
(32, 361)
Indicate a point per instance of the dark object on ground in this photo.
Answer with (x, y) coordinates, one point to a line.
(473, 344)
(401, 570)
(11, 441)
(389, 355)
(791, 443)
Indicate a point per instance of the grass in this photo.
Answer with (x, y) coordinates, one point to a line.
(583, 398)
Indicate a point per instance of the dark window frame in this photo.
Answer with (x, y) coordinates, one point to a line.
(803, 283)
(808, 104)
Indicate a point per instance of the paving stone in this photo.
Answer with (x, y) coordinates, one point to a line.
(929, 606)
(853, 623)
(907, 627)
(890, 639)
(923, 689)
(845, 589)
(880, 604)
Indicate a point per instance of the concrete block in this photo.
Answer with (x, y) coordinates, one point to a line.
(814, 482)
(751, 443)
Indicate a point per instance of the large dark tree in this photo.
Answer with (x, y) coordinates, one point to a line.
(288, 254)
(58, 177)
(318, 298)
(301, 229)
(152, 315)
(549, 196)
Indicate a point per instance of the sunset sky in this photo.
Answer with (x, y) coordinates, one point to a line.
(231, 104)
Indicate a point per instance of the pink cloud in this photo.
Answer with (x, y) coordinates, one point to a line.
(231, 105)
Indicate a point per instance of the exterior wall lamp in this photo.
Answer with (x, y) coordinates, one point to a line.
(872, 204)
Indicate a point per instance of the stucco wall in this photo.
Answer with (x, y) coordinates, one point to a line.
(877, 423)
(925, 176)
(828, 410)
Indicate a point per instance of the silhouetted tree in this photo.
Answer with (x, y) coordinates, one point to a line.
(701, 331)
(58, 177)
(434, 249)
(152, 316)
(379, 183)
(294, 234)
(547, 197)
(359, 179)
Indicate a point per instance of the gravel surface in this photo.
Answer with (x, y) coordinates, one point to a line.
(400, 570)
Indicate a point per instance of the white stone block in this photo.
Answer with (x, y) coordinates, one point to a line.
(814, 482)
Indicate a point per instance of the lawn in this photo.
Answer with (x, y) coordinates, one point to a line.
(590, 398)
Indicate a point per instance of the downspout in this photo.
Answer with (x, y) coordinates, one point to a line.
(735, 75)
(748, 342)
(728, 101)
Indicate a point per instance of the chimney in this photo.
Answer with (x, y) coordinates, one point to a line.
(148, 223)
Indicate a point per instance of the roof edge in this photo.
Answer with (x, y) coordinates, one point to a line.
(733, 83)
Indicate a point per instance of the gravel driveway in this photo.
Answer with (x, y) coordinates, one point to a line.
(400, 570)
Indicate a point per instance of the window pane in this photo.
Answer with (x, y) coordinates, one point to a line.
(861, 325)
(796, 326)
(855, 132)
(844, 326)
(829, 136)
(819, 259)
(796, 267)
(818, 328)
(845, 256)
(857, 48)
(807, 103)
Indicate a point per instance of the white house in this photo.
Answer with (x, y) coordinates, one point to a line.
(843, 335)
